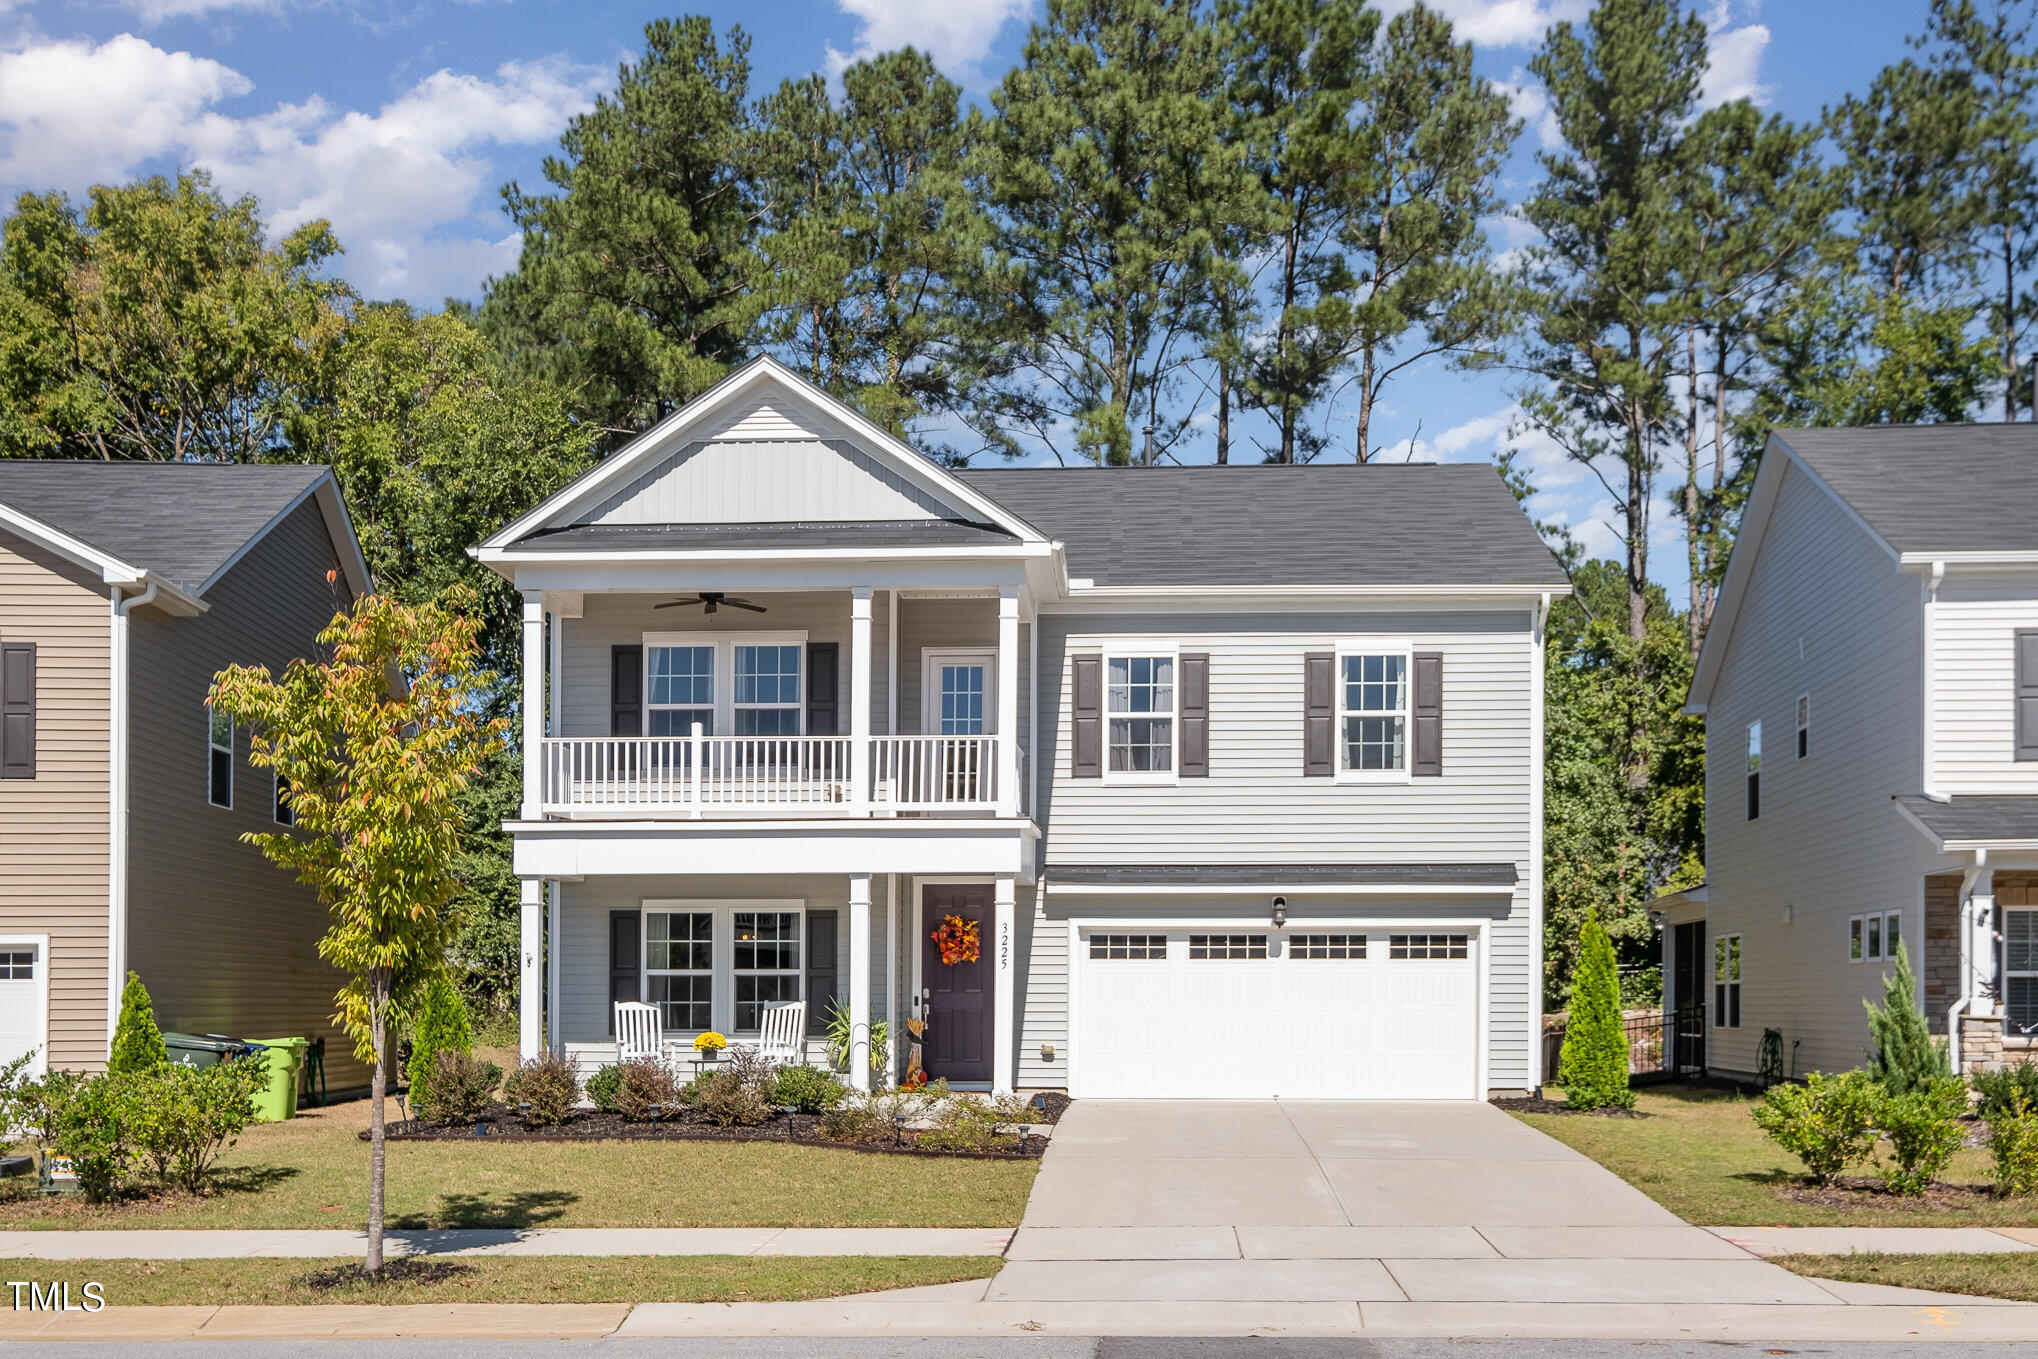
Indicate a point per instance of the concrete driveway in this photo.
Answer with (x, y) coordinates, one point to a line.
(1344, 1202)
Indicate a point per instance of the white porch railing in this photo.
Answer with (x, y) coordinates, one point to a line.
(651, 776)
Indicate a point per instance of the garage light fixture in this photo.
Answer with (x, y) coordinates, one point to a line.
(1280, 912)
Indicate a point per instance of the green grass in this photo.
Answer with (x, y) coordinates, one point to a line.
(313, 1172)
(1987, 1276)
(633, 1278)
(1700, 1155)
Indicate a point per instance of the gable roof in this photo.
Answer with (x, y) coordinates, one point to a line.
(182, 523)
(1986, 821)
(1919, 488)
(1388, 524)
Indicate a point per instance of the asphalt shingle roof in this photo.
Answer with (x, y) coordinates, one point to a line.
(1932, 488)
(2005, 816)
(1376, 524)
(182, 520)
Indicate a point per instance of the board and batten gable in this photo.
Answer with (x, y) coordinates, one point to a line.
(54, 828)
(1258, 806)
(224, 939)
(1826, 614)
(1975, 620)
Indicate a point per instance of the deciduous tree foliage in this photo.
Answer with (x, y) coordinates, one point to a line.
(376, 739)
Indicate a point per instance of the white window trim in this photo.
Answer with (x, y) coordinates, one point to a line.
(212, 748)
(38, 1065)
(1882, 950)
(1739, 1008)
(932, 659)
(1803, 748)
(721, 952)
(1173, 773)
(1378, 646)
(724, 645)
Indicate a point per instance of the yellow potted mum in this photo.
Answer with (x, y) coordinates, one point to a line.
(710, 1045)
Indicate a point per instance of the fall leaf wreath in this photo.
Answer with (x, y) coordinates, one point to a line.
(957, 940)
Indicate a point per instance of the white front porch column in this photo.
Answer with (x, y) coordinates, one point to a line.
(1008, 700)
(859, 701)
(859, 981)
(1978, 923)
(1004, 942)
(530, 983)
(555, 671)
(534, 703)
(555, 997)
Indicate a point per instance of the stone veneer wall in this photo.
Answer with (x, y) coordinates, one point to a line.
(1982, 1044)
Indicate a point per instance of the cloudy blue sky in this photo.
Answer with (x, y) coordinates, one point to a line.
(399, 120)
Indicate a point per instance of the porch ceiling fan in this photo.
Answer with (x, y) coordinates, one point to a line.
(712, 600)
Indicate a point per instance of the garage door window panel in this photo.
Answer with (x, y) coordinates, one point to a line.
(1406, 947)
(1129, 947)
(1327, 947)
(1213, 947)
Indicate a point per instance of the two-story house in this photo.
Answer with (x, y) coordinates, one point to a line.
(1870, 690)
(124, 587)
(1235, 772)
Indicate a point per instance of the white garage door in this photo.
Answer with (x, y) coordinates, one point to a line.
(1193, 1013)
(21, 1002)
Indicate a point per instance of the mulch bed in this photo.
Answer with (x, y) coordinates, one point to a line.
(1862, 1192)
(501, 1124)
(1539, 1105)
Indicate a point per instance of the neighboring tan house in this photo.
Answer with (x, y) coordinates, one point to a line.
(1236, 771)
(1870, 691)
(124, 587)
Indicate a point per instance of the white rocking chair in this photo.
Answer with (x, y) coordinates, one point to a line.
(782, 1036)
(637, 1032)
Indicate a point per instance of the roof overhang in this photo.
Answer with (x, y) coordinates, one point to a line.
(339, 527)
(1082, 593)
(1147, 880)
(121, 575)
(1951, 840)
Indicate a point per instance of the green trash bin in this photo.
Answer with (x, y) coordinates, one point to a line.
(203, 1049)
(285, 1057)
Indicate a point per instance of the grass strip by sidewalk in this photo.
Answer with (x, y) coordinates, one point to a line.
(630, 1278)
(2013, 1276)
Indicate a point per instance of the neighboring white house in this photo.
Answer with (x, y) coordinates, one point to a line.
(1870, 690)
(1236, 771)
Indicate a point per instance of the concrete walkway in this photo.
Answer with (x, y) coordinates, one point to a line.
(1768, 1241)
(226, 1245)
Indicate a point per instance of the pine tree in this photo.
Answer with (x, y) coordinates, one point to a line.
(439, 1025)
(137, 1042)
(1902, 1054)
(1594, 1065)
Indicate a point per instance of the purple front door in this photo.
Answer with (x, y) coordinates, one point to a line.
(958, 1042)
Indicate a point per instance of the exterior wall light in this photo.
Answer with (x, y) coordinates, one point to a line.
(1280, 912)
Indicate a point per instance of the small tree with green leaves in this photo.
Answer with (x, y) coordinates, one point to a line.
(137, 1042)
(1594, 1066)
(377, 741)
(1903, 1057)
(439, 1025)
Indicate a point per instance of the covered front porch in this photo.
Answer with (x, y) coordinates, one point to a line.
(710, 950)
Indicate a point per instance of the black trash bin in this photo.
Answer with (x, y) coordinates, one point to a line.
(206, 1049)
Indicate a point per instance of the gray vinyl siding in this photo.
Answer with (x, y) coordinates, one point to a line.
(1827, 613)
(1256, 806)
(53, 849)
(1974, 622)
(1042, 1003)
(225, 940)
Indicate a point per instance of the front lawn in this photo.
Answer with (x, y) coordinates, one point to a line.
(633, 1278)
(2013, 1276)
(313, 1172)
(1699, 1154)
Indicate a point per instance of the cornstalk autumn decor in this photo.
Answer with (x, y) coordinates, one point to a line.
(373, 745)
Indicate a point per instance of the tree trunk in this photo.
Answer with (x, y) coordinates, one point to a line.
(1366, 406)
(1223, 411)
(2009, 323)
(1694, 513)
(378, 1088)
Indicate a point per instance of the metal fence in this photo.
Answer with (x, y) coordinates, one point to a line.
(1655, 1051)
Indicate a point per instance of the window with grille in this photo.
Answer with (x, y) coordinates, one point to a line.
(1327, 946)
(1220, 946)
(17, 965)
(767, 963)
(679, 689)
(1129, 946)
(1373, 706)
(679, 968)
(1428, 945)
(769, 697)
(2020, 970)
(1726, 982)
(1139, 700)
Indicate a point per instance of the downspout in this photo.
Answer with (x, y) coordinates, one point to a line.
(1929, 783)
(1965, 929)
(117, 799)
(1536, 657)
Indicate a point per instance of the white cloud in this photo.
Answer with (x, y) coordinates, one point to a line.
(153, 12)
(1530, 102)
(1736, 56)
(957, 33)
(409, 188)
(1500, 23)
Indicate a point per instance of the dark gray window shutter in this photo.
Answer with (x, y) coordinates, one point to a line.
(1086, 717)
(1194, 697)
(626, 954)
(1319, 715)
(626, 691)
(820, 969)
(17, 710)
(823, 673)
(1426, 758)
(2027, 694)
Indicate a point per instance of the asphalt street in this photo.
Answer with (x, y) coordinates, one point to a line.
(1044, 1348)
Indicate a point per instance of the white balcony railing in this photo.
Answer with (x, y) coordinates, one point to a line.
(619, 776)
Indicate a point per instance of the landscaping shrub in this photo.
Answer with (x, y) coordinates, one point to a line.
(602, 1086)
(1827, 1122)
(1924, 1130)
(181, 1118)
(973, 1123)
(726, 1100)
(137, 1042)
(1997, 1087)
(438, 1024)
(2013, 1142)
(1594, 1064)
(1902, 1056)
(460, 1089)
(805, 1089)
(642, 1084)
(548, 1084)
(873, 1115)
(85, 1118)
